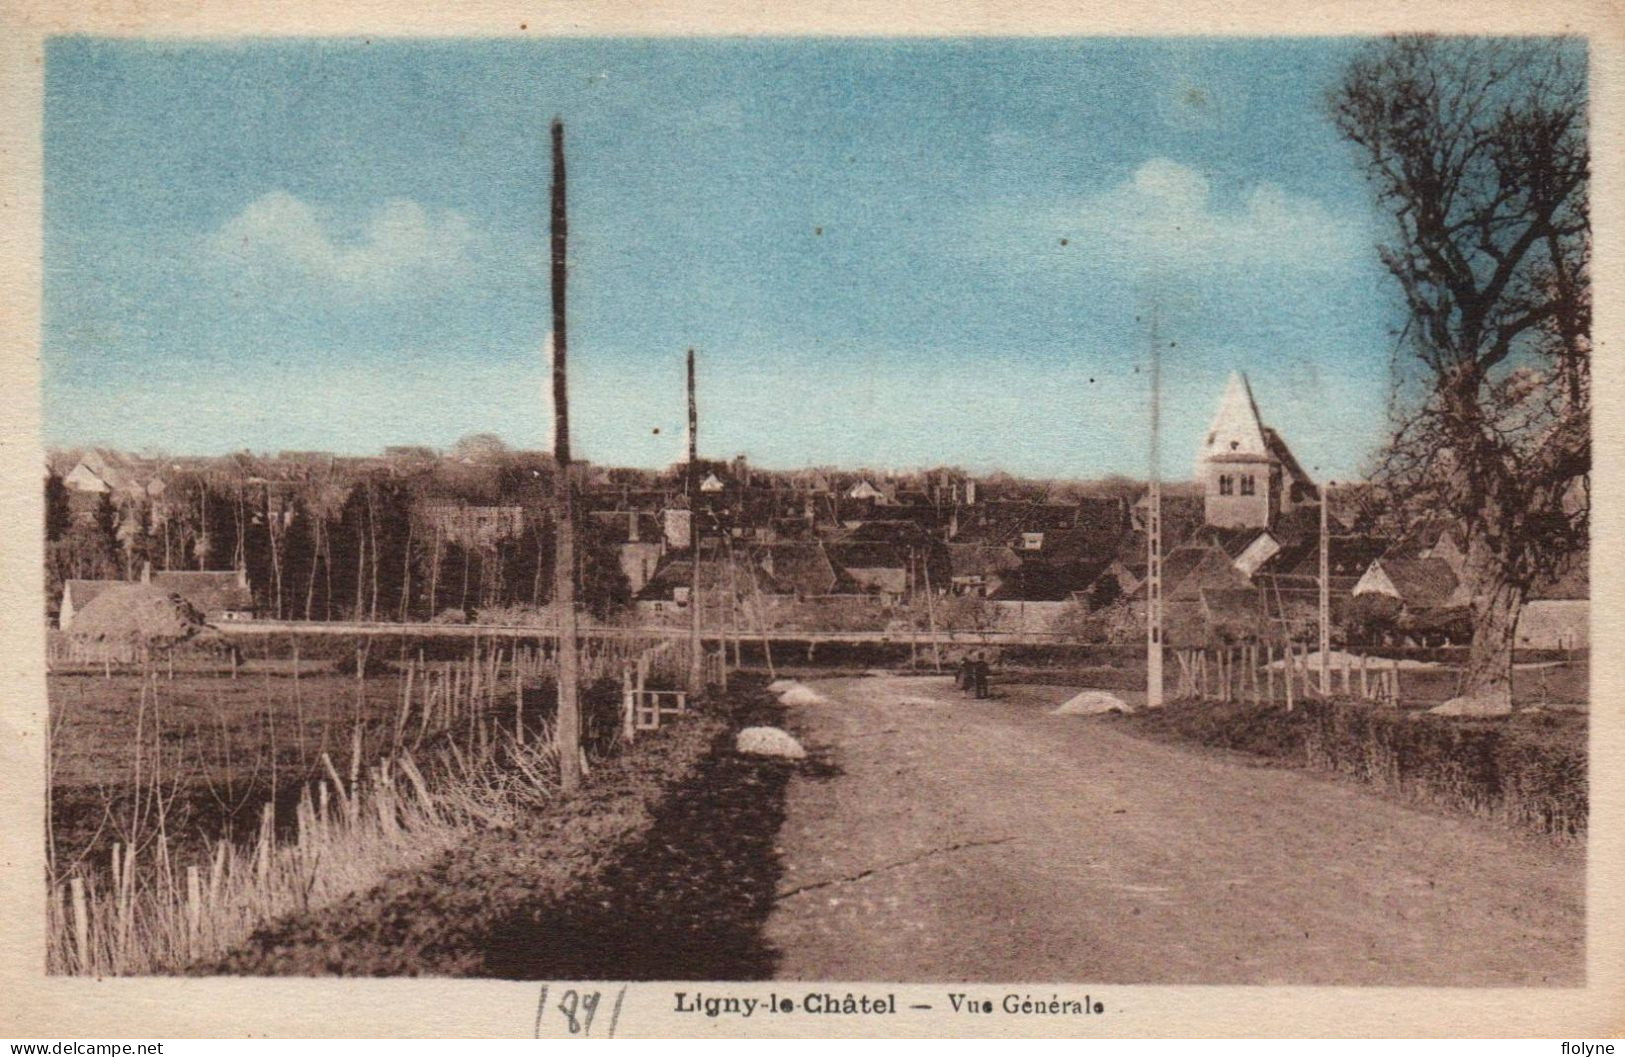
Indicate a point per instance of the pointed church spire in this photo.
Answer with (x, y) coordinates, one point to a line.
(1236, 428)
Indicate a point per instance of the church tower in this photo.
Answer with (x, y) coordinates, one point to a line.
(1248, 476)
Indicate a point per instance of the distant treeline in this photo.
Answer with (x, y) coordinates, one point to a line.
(327, 543)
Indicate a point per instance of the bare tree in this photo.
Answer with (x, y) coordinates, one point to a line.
(1478, 150)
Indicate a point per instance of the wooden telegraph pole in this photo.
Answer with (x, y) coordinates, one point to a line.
(564, 557)
(1325, 593)
(696, 658)
(1153, 536)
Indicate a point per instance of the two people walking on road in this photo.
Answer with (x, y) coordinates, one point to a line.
(974, 673)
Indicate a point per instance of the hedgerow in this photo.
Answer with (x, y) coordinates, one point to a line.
(1528, 770)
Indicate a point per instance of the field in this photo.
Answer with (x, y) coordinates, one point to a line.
(180, 769)
(195, 757)
(171, 798)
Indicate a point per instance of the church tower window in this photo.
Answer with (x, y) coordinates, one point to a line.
(1226, 484)
(1247, 486)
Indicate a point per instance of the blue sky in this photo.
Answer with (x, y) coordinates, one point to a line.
(341, 245)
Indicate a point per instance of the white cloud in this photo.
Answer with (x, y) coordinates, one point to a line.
(398, 244)
(1164, 217)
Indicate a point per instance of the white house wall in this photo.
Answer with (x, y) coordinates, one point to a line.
(1555, 624)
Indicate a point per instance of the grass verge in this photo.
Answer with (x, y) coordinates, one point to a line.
(661, 868)
(1527, 770)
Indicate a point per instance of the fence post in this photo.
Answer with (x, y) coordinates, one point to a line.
(262, 864)
(1288, 662)
(81, 924)
(518, 695)
(628, 705)
(194, 911)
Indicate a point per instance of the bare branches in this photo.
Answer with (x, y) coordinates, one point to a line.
(1478, 150)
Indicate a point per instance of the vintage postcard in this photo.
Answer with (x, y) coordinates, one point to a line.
(564, 523)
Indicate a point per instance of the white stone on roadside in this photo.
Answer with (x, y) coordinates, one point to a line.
(768, 741)
(779, 686)
(1091, 703)
(1471, 706)
(802, 695)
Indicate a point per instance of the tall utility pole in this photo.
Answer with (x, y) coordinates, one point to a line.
(1325, 593)
(564, 555)
(1153, 534)
(696, 658)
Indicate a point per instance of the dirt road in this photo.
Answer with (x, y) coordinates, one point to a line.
(960, 840)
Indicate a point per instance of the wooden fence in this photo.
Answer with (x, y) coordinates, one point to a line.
(1264, 673)
(644, 708)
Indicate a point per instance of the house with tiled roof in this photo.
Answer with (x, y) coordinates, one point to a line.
(728, 582)
(1183, 515)
(1348, 555)
(1189, 573)
(798, 569)
(76, 595)
(220, 594)
(871, 568)
(1417, 583)
(1216, 615)
(1186, 571)
(1248, 549)
(1420, 595)
(979, 569)
(863, 489)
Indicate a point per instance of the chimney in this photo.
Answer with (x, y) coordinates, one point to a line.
(970, 492)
